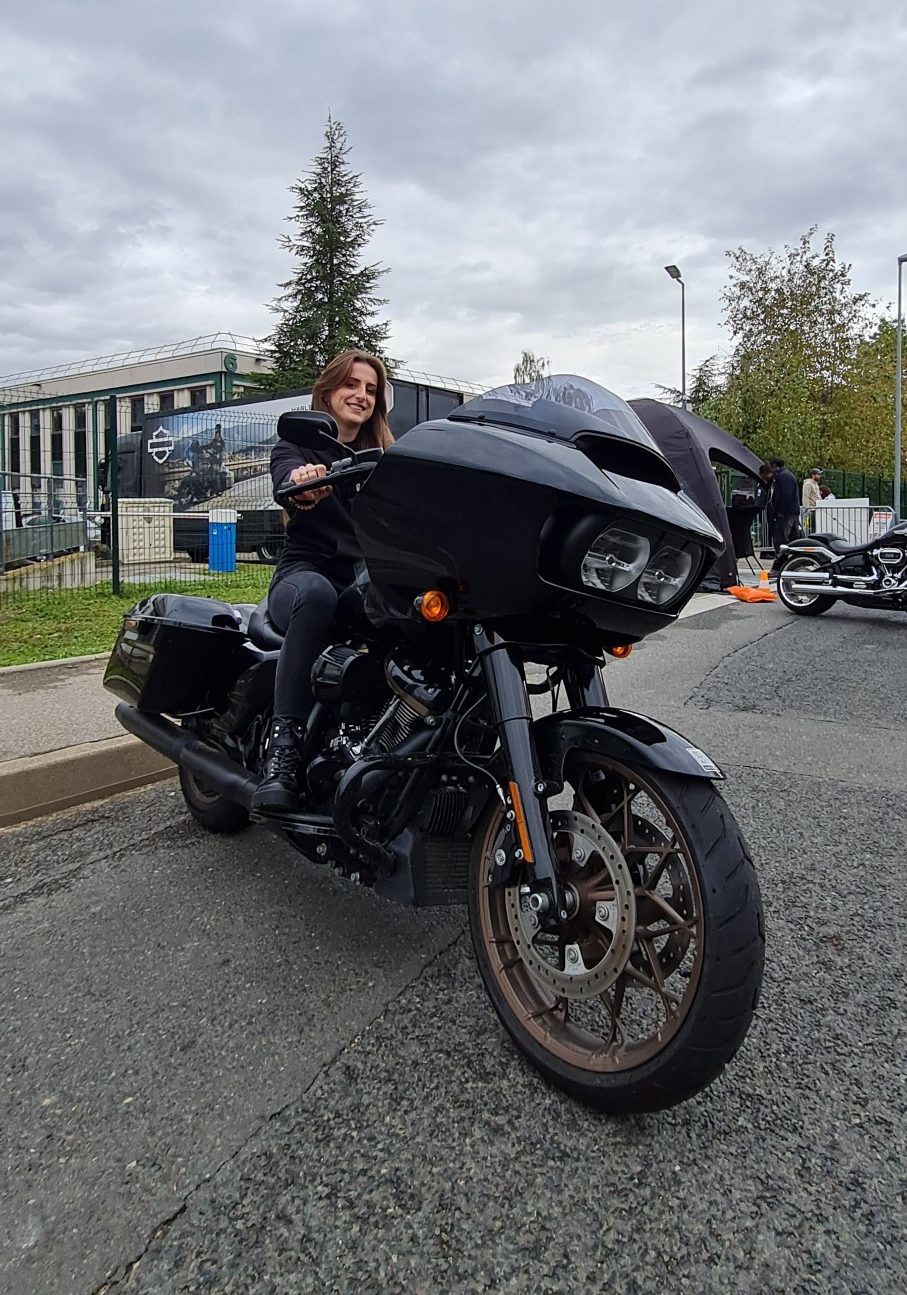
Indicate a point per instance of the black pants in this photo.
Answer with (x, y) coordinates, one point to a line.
(785, 529)
(302, 603)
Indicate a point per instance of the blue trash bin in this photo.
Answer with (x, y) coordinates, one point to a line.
(222, 539)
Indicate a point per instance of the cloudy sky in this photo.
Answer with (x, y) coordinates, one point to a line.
(535, 166)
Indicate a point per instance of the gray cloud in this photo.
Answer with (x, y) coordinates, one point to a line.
(535, 169)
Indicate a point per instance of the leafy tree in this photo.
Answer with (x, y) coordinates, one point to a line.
(797, 325)
(330, 303)
(531, 368)
(862, 437)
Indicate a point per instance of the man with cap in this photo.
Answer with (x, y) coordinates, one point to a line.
(811, 491)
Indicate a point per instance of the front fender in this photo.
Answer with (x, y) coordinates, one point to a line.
(634, 740)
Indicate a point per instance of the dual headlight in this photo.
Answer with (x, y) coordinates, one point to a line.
(620, 557)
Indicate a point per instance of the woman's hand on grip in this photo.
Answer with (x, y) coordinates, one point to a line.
(309, 472)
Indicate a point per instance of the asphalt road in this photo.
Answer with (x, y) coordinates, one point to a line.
(226, 1071)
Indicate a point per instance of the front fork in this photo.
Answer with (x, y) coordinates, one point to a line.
(526, 791)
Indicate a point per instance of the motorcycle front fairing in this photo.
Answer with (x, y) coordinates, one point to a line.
(500, 519)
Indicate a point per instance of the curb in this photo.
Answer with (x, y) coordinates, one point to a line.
(37, 785)
(59, 663)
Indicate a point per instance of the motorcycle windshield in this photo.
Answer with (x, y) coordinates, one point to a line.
(561, 404)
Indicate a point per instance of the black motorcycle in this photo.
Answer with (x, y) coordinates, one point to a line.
(509, 548)
(820, 570)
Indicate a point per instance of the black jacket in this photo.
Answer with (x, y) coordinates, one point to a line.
(785, 496)
(320, 538)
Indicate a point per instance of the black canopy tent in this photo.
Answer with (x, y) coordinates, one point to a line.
(691, 444)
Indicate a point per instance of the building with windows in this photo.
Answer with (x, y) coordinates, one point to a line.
(54, 422)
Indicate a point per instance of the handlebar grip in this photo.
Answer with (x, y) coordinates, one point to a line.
(338, 470)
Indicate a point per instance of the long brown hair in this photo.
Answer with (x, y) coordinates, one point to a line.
(374, 433)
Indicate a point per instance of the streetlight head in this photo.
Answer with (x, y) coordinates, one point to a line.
(903, 258)
(673, 272)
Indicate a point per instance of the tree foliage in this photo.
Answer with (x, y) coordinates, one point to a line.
(811, 371)
(330, 303)
(707, 384)
(531, 367)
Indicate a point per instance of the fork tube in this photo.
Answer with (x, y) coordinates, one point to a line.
(503, 670)
(585, 686)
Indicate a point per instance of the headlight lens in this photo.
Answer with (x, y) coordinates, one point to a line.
(615, 560)
(666, 575)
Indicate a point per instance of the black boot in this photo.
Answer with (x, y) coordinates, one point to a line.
(278, 792)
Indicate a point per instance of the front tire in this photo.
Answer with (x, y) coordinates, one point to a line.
(802, 604)
(644, 996)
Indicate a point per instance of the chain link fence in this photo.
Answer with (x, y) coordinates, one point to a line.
(179, 498)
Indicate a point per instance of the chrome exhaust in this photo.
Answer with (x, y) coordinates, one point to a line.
(800, 585)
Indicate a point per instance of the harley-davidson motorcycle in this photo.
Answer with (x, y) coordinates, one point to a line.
(822, 569)
(461, 746)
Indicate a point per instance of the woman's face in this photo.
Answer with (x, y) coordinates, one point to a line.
(353, 403)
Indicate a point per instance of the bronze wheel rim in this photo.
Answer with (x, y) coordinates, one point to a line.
(610, 990)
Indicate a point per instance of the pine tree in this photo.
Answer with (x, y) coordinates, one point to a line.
(330, 303)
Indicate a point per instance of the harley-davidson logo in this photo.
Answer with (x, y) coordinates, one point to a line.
(161, 445)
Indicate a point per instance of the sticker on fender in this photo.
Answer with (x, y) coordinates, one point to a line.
(706, 763)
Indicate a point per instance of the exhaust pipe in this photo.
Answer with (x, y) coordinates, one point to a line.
(212, 767)
(801, 586)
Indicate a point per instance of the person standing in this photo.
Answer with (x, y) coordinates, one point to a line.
(783, 505)
(812, 493)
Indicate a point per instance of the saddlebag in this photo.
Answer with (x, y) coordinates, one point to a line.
(173, 654)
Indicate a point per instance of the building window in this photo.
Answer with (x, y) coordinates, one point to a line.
(15, 460)
(166, 401)
(137, 407)
(56, 442)
(198, 395)
(81, 441)
(35, 440)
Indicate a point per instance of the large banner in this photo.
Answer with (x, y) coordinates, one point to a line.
(213, 457)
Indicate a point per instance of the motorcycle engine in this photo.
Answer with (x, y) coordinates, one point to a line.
(893, 562)
(352, 683)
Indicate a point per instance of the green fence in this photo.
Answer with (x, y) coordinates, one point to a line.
(877, 489)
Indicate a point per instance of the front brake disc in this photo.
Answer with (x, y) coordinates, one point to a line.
(595, 944)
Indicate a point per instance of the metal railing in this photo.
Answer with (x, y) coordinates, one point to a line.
(51, 541)
(855, 521)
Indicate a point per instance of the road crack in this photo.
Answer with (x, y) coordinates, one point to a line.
(744, 647)
(115, 1278)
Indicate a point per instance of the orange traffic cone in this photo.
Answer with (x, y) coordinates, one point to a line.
(761, 594)
(764, 593)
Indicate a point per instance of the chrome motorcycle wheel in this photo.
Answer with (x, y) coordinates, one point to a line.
(642, 997)
(802, 604)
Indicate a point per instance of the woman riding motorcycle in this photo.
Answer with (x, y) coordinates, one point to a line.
(318, 559)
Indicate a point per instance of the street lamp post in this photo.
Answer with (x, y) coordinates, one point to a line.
(674, 272)
(898, 388)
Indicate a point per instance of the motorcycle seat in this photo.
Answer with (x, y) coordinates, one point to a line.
(262, 630)
(833, 542)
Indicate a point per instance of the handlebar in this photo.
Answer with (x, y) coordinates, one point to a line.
(343, 471)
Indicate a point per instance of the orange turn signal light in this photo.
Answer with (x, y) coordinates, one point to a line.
(522, 832)
(433, 605)
(622, 650)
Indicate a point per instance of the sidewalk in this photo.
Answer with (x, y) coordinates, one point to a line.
(60, 744)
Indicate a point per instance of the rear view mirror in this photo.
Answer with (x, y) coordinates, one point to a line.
(310, 429)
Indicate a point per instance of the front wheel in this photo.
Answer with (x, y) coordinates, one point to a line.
(642, 997)
(802, 604)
